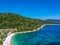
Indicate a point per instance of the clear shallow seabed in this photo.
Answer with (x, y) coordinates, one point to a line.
(48, 35)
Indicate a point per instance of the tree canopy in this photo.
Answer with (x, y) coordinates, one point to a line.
(11, 20)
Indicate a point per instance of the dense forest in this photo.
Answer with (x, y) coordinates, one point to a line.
(11, 20)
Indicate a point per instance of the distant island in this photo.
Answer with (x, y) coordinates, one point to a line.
(53, 20)
(10, 22)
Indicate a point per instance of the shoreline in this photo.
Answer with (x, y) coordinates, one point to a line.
(8, 39)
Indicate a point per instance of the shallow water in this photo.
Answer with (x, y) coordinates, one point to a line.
(48, 35)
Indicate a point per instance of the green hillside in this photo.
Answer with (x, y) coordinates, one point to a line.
(10, 20)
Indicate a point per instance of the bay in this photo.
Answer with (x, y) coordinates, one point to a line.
(48, 35)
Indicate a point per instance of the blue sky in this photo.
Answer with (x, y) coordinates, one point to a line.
(41, 9)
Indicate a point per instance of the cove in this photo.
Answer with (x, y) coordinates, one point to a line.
(48, 35)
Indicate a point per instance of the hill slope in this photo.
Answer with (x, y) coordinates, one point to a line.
(10, 20)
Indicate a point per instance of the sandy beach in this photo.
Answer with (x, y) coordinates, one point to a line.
(8, 39)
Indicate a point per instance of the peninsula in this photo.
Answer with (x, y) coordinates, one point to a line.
(10, 22)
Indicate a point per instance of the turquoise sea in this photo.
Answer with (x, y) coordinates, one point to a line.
(48, 35)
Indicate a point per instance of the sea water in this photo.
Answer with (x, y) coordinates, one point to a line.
(48, 35)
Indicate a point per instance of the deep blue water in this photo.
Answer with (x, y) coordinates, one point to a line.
(48, 35)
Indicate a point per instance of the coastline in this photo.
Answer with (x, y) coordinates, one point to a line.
(8, 39)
